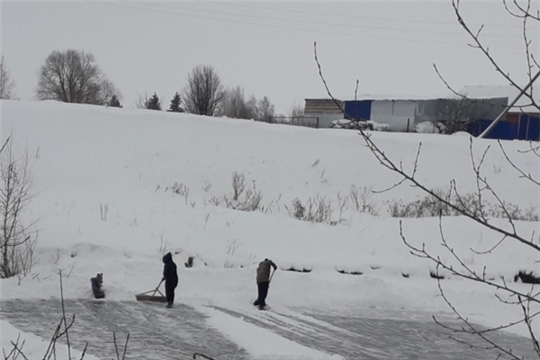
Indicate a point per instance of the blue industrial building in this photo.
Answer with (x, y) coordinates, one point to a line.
(482, 105)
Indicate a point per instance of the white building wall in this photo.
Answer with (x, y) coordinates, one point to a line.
(396, 113)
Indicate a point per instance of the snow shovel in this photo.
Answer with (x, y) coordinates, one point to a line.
(146, 296)
(271, 276)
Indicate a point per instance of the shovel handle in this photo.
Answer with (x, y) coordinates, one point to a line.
(271, 276)
(157, 287)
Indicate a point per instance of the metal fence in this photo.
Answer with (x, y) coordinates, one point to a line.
(306, 121)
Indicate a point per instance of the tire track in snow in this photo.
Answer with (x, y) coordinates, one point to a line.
(356, 336)
(313, 335)
(156, 332)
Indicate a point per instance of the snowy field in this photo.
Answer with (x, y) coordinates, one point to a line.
(105, 202)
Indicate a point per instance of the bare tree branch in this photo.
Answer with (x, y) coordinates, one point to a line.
(528, 322)
(527, 176)
(468, 273)
(338, 103)
(490, 249)
(5, 144)
(64, 316)
(485, 50)
(385, 161)
(471, 329)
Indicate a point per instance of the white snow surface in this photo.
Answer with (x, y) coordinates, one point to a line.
(125, 162)
(33, 346)
(258, 342)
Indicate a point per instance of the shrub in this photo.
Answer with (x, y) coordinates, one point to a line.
(317, 209)
(430, 206)
(527, 278)
(238, 185)
(435, 275)
(362, 199)
(350, 272)
(302, 270)
(252, 197)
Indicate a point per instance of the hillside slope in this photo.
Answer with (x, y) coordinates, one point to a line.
(104, 181)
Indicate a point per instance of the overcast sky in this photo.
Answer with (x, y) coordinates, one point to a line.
(266, 47)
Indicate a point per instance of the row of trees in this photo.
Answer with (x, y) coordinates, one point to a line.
(204, 94)
(73, 76)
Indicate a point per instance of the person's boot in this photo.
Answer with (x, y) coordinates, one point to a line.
(169, 305)
(261, 307)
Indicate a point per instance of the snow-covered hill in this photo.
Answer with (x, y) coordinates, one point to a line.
(117, 188)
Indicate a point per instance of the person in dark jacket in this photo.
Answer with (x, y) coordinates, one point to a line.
(170, 276)
(263, 282)
(97, 286)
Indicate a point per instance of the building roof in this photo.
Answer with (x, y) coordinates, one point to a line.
(510, 92)
(322, 106)
(396, 97)
(389, 97)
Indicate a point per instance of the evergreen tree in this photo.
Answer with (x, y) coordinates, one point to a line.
(114, 102)
(153, 103)
(175, 104)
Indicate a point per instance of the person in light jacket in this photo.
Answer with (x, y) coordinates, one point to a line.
(263, 282)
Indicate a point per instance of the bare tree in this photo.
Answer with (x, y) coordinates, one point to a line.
(142, 101)
(235, 104)
(74, 77)
(265, 109)
(459, 114)
(297, 111)
(7, 84)
(17, 240)
(204, 93)
(526, 301)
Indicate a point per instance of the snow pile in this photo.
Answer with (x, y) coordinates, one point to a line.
(462, 134)
(426, 127)
(355, 125)
(378, 126)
